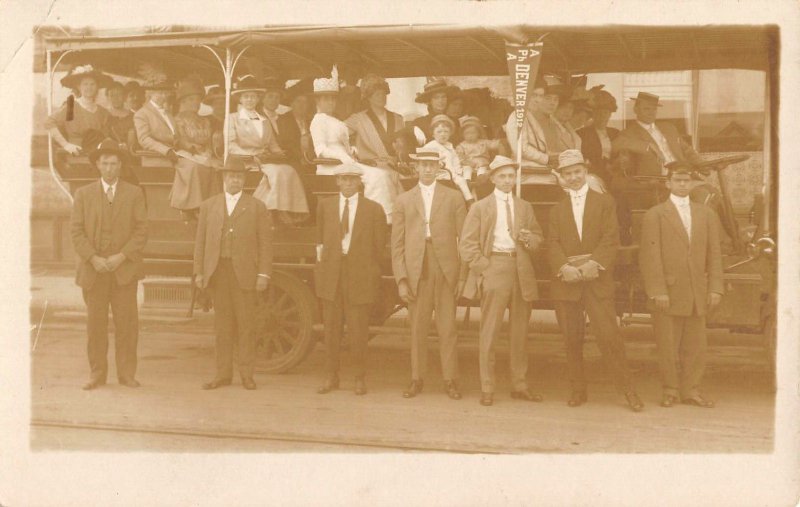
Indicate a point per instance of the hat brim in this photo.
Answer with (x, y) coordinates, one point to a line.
(423, 159)
(425, 97)
(512, 165)
(635, 99)
(73, 81)
(254, 90)
(584, 164)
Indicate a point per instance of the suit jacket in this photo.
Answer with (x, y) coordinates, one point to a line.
(244, 139)
(600, 239)
(152, 131)
(128, 230)
(477, 239)
(408, 233)
(252, 239)
(290, 140)
(672, 264)
(640, 155)
(593, 151)
(367, 247)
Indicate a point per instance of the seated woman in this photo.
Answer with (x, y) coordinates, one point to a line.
(293, 126)
(436, 95)
(68, 124)
(443, 128)
(194, 175)
(250, 134)
(331, 139)
(121, 128)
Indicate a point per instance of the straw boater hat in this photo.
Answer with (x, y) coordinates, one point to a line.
(646, 98)
(433, 87)
(443, 118)
(348, 170)
(422, 154)
(74, 77)
(327, 85)
(471, 121)
(247, 83)
(371, 83)
(215, 92)
(569, 158)
(500, 162)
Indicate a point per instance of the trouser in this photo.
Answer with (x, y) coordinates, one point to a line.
(501, 290)
(107, 292)
(682, 347)
(234, 310)
(602, 315)
(434, 294)
(335, 314)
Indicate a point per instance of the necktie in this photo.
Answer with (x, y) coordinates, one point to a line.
(346, 218)
(110, 195)
(509, 218)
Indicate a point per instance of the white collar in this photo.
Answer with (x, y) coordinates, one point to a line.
(646, 126)
(502, 196)
(244, 114)
(429, 188)
(581, 192)
(234, 197)
(353, 198)
(158, 108)
(106, 185)
(679, 201)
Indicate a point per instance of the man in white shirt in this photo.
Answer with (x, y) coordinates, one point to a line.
(500, 234)
(426, 223)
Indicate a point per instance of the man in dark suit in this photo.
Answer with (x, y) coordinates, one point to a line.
(582, 248)
(681, 267)
(233, 258)
(351, 241)
(500, 234)
(109, 232)
(426, 223)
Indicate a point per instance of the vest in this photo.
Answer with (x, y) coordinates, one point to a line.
(226, 248)
(106, 226)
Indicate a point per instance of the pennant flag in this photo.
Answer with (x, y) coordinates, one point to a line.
(523, 65)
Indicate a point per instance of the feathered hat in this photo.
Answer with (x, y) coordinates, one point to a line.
(327, 86)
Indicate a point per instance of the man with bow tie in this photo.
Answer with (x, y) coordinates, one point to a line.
(233, 258)
(109, 231)
(583, 239)
(681, 266)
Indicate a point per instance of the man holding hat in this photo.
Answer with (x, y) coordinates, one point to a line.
(426, 223)
(109, 231)
(351, 242)
(582, 248)
(155, 125)
(681, 266)
(233, 258)
(500, 234)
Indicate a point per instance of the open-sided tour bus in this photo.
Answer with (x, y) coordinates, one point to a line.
(289, 318)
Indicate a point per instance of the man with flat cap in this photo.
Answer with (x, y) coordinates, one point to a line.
(352, 233)
(233, 258)
(426, 223)
(109, 231)
(681, 266)
(499, 237)
(582, 248)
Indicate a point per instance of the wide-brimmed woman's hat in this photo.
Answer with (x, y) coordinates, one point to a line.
(247, 83)
(443, 118)
(327, 85)
(300, 88)
(215, 92)
(74, 77)
(433, 87)
(601, 99)
(188, 87)
(372, 83)
(273, 84)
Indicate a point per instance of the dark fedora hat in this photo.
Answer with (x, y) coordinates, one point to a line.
(107, 146)
(646, 98)
(234, 164)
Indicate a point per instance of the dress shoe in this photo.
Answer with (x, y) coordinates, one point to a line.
(413, 389)
(93, 384)
(361, 388)
(698, 401)
(487, 399)
(329, 385)
(668, 400)
(634, 402)
(577, 398)
(216, 383)
(129, 382)
(248, 384)
(451, 389)
(526, 395)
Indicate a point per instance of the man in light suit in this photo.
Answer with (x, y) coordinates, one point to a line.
(500, 234)
(233, 258)
(109, 231)
(426, 222)
(582, 247)
(351, 242)
(681, 267)
(155, 125)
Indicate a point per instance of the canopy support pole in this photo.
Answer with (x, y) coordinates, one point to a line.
(51, 70)
(767, 172)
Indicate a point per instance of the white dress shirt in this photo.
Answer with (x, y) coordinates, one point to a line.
(164, 115)
(578, 198)
(427, 201)
(255, 119)
(112, 186)
(684, 211)
(351, 215)
(231, 200)
(660, 140)
(503, 241)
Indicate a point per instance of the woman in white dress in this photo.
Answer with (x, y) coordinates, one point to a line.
(251, 134)
(331, 139)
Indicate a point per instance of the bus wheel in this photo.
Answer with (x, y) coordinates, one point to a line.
(284, 318)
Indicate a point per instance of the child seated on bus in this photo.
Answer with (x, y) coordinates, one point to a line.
(475, 151)
(442, 128)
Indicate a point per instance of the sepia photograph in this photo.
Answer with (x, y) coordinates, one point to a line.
(468, 236)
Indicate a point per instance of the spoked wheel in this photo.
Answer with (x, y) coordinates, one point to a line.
(284, 318)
